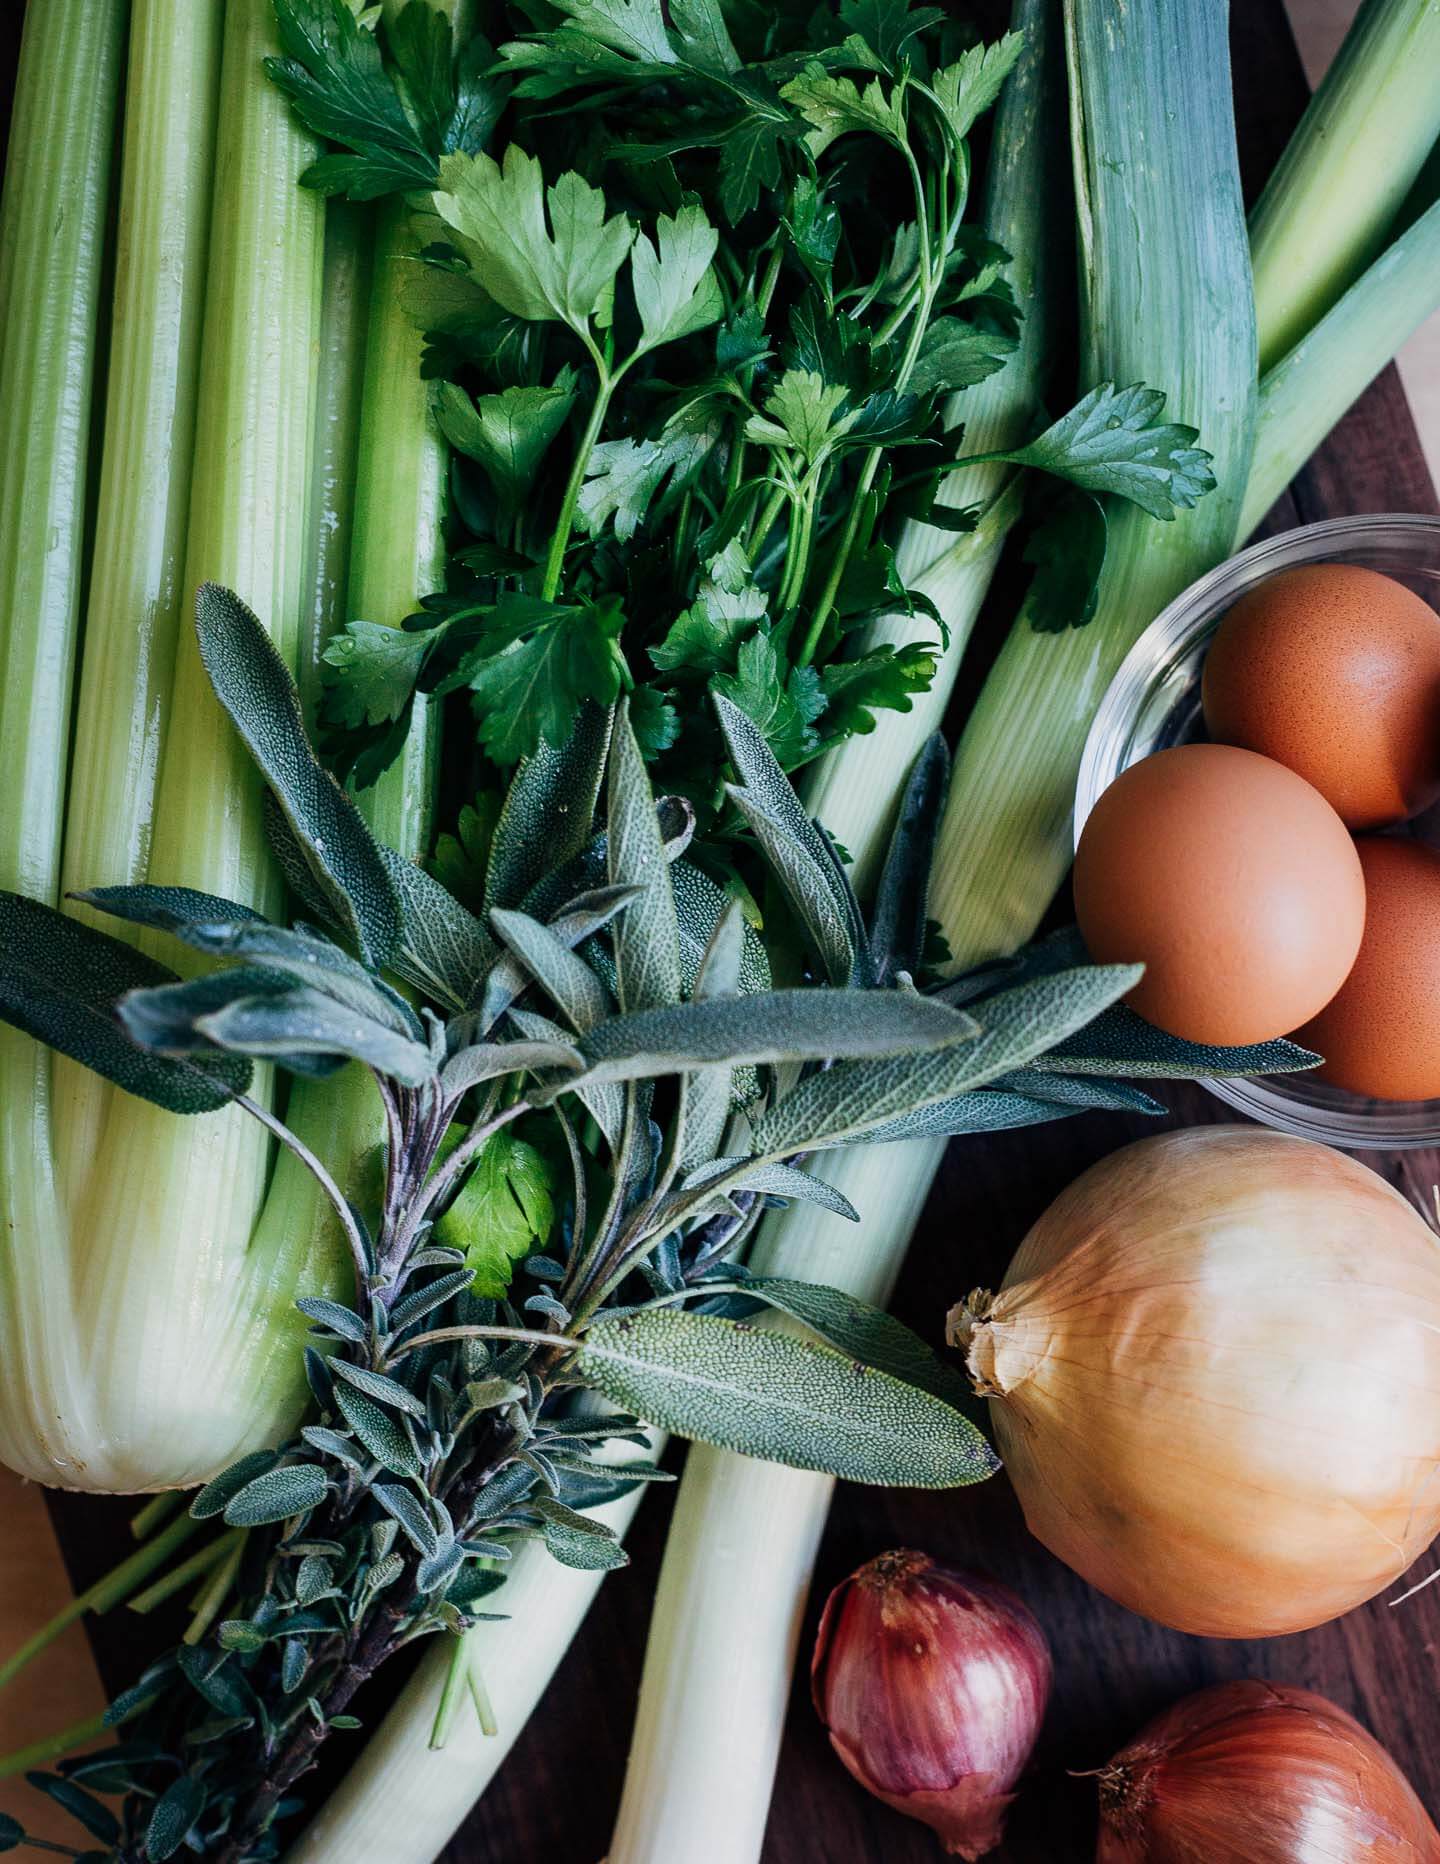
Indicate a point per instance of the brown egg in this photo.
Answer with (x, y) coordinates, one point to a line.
(1334, 671)
(1232, 880)
(1380, 1035)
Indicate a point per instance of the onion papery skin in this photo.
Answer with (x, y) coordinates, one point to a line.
(1258, 1773)
(1214, 1367)
(932, 1685)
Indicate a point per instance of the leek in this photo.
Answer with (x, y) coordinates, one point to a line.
(1305, 394)
(1327, 209)
(744, 1539)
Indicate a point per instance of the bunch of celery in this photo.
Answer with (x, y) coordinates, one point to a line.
(149, 1265)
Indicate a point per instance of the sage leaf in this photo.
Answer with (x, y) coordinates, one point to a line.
(776, 1026)
(897, 928)
(303, 1022)
(317, 961)
(337, 1319)
(577, 1541)
(443, 948)
(1120, 1042)
(253, 685)
(65, 983)
(175, 1813)
(376, 1385)
(384, 1436)
(771, 1180)
(785, 1399)
(416, 1525)
(217, 1494)
(167, 1018)
(567, 979)
(1017, 1025)
(93, 1814)
(646, 937)
(487, 1061)
(168, 909)
(1085, 1093)
(872, 1336)
(548, 815)
(791, 842)
(292, 1489)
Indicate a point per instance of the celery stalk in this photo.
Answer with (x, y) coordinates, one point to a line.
(160, 1367)
(1329, 206)
(1165, 298)
(52, 220)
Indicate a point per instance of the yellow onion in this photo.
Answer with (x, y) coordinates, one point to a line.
(1258, 1773)
(1214, 1367)
(932, 1685)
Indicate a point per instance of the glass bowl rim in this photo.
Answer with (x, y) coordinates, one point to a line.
(1263, 1098)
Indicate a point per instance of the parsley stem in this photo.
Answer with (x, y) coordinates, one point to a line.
(555, 561)
(927, 288)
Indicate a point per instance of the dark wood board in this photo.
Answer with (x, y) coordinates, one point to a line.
(1113, 1669)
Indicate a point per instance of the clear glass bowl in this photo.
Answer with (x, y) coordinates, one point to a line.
(1154, 702)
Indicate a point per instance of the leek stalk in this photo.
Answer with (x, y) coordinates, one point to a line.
(1305, 394)
(743, 1543)
(1327, 209)
(1165, 298)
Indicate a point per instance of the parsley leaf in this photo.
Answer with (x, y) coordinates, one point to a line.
(623, 476)
(504, 1211)
(499, 217)
(750, 160)
(372, 673)
(508, 433)
(783, 709)
(955, 354)
(676, 290)
(801, 411)
(1067, 549)
(887, 678)
(335, 78)
(704, 37)
(967, 89)
(459, 860)
(706, 636)
(654, 721)
(534, 666)
(834, 106)
(888, 26)
(1111, 442)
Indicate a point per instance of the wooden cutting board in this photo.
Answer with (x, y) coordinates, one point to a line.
(556, 1797)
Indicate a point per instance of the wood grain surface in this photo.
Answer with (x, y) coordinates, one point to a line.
(556, 1797)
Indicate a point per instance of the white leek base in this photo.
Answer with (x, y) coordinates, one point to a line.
(739, 1560)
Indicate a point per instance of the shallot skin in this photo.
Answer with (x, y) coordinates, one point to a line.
(932, 1685)
(1259, 1773)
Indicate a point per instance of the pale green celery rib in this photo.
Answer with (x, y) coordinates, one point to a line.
(1329, 205)
(172, 1358)
(52, 221)
(339, 391)
(1303, 397)
(857, 784)
(1165, 299)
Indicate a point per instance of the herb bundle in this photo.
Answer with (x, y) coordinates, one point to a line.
(695, 326)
